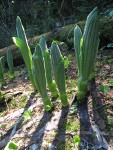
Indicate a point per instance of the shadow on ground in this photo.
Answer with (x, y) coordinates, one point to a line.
(38, 134)
(25, 108)
(60, 138)
(89, 117)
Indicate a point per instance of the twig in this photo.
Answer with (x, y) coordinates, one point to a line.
(73, 100)
(14, 93)
(98, 107)
(15, 127)
(59, 11)
(18, 122)
(109, 111)
(100, 141)
(13, 115)
(7, 104)
(28, 125)
(87, 133)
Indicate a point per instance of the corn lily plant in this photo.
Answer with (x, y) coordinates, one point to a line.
(59, 72)
(39, 77)
(2, 81)
(47, 62)
(86, 47)
(1, 96)
(22, 43)
(10, 63)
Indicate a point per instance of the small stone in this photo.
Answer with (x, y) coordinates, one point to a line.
(34, 147)
(51, 147)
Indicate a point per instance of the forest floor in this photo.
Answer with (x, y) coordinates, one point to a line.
(24, 121)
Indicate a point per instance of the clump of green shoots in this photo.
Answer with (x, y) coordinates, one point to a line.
(22, 43)
(59, 72)
(39, 77)
(86, 47)
(47, 64)
(10, 63)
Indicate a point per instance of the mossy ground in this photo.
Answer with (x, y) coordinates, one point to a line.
(19, 94)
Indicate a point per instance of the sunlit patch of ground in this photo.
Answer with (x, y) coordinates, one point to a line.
(56, 128)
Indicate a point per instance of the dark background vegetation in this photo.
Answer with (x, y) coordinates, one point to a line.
(40, 16)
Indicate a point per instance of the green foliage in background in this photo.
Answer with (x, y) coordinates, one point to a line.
(42, 16)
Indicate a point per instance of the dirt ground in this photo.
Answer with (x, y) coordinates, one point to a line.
(24, 121)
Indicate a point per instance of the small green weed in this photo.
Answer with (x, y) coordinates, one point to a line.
(104, 88)
(76, 140)
(111, 81)
(72, 125)
(73, 109)
(11, 146)
(67, 61)
(104, 74)
(27, 115)
(110, 120)
(110, 60)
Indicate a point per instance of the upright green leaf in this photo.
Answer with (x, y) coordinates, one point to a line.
(59, 72)
(22, 43)
(42, 43)
(10, 63)
(86, 49)
(47, 63)
(77, 39)
(2, 81)
(39, 77)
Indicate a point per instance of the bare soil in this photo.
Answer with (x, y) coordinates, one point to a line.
(55, 130)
